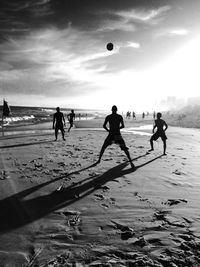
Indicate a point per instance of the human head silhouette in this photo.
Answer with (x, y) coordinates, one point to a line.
(58, 109)
(159, 115)
(72, 111)
(114, 109)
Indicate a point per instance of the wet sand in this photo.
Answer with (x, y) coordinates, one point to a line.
(58, 207)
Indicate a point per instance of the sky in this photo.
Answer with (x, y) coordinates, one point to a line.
(53, 53)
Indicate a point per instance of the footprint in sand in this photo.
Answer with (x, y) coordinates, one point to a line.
(140, 147)
(93, 174)
(99, 197)
(160, 215)
(105, 188)
(171, 202)
(112, 200)
(105, 206)
(127, 181)
(74, 221)
(177, 172)
(4, 175)
(126, 231)
(141, 242)
(107, 159)
(141, 198)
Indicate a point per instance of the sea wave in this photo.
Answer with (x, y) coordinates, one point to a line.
(9, 120)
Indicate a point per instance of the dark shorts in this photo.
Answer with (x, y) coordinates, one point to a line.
(162, 135)
(71, 122)
(115, 139)
(59, 127)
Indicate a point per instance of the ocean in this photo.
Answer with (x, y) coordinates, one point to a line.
(22, 116)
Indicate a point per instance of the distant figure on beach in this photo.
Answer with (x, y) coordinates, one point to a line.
(161, 126)
(154, 115)
(143, 115)
(71, 118)
(116, 123)
(58, 123)
(133, 115)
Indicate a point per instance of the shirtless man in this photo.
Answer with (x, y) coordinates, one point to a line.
(115, 124)
(71, 118)
(161, 126)
(58, 120)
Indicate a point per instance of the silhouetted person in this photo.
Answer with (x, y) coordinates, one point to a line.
(115, 124)
(161, 126)
(71, 118)
(58, 120)
(143, 115)
(154, 115)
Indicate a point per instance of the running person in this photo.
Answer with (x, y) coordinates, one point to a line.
(115, 124)
(71, 118)
(161, 126)
(58, 120)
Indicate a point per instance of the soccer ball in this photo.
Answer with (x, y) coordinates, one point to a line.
(109, 46)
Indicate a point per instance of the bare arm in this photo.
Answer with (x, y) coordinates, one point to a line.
(63, 119)
(105, 124)
(121, 124)
(54, 120)
(154, 127)
(166, 126)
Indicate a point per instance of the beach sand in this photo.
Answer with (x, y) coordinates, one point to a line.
(57, 208)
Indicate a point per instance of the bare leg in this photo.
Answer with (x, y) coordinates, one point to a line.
(56, 133)
(151, 143)
(101, 153)
(129, 158)
(63, 136)
(164, 147)
(71, 125)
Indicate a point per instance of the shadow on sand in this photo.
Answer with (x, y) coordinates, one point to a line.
(26, 144)
(16, 211)
(19, 136)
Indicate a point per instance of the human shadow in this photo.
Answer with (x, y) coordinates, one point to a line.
(13, 209)
(18, 136)
(26, 144)
(16, 211)
(142, 165)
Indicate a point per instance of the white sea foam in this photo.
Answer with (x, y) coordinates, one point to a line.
(9, 120)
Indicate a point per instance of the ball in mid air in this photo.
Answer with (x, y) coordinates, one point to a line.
(109, 46)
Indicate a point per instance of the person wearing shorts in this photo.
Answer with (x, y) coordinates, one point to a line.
(116, 123)
(161, 126)
(58, 120)
(71, 118)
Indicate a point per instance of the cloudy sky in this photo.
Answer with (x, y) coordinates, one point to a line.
(53, 52)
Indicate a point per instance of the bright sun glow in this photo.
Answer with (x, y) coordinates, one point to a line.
(177, 76)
